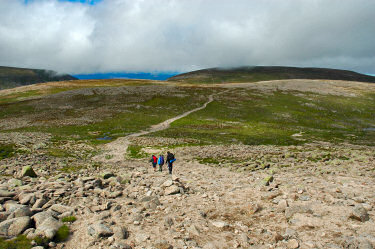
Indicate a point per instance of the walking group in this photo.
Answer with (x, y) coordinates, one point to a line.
(160, 161)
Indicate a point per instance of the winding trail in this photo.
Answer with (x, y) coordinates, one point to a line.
(117, 149)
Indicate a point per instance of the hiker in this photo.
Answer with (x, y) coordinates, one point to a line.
(161, 162)
(154, 161)
(170, 160)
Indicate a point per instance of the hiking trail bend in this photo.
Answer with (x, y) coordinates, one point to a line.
(118, 148)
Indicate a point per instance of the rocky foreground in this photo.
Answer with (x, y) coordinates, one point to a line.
(272, 197)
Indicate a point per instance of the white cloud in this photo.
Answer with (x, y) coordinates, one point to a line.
(180, 35)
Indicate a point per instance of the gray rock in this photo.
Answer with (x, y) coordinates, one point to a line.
(120, 232)
(290, 211)
(39, 218)
(28, 171)
(99, 230)
(359, 213)
(48, 228)
(39, 203)
(107, 175)
(15, 226)
(220, 224)
(15, 182)
(20, 212)
(4, 193)
(172, 190)
(61, 208)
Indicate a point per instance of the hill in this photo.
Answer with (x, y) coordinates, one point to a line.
(259, 165)
(12, 76)
(262, 73)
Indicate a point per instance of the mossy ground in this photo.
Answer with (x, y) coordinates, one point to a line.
(254, 118)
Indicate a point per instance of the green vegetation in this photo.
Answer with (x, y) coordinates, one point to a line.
(20, 242)
(56, 152)
(69, 219)
(251, 117)
(6, 150)
(62, 234)
(71, 168)
(135, 151)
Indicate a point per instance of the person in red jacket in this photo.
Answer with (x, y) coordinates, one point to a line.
(154, 161)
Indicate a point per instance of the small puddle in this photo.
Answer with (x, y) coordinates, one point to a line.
(369, 129)
(105, 138)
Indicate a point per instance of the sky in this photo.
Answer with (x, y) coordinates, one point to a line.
(162, 36)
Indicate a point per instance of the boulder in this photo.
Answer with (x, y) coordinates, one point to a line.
(293, 244)
(15, 226)
(107, 175)
(20, 212)
(4, 193)
(48, 228)
(39, 218)
(172, 190)
(99, 230)
(120, 232)
(359, 213)
(28, 171)
(61, 208)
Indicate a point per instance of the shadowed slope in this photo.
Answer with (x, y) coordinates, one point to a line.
(260, 73)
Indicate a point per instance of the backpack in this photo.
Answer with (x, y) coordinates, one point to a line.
(154, 159)
(161, 160)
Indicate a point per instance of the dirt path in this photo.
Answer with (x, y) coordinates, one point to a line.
(118, 148)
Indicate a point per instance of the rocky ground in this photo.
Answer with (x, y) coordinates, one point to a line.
(303, 199)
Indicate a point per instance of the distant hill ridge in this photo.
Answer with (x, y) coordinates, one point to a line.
(263, 73)
(12, 76)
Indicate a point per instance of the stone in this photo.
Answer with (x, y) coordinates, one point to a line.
(15, 182)
(15, 226)
(4, 193)
(61, 208)
(48, 228)
(39, 203)
(20, 212)
(107, 175)
(282, 205)
(290, 211)
(172, 190)
(293, 244)
(359, 213)
(219, 224)
(39, 218)
(28, 171)
(167, 183)
(99, 230)
(163, 245)
(278, 237)
(120, 232)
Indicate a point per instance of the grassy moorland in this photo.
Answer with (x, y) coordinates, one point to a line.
(279, 118)
(89, 111)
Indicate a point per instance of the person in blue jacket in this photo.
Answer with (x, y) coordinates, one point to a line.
(161, 162)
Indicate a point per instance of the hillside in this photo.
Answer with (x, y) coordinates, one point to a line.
(12, 76)
(259, 165)
(262, 73)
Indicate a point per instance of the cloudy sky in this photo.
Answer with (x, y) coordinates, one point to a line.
(183, 35)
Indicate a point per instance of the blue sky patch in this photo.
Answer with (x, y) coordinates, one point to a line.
(124, 75)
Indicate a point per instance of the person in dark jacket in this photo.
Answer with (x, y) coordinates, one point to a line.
(154, 161)
(170, 160)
